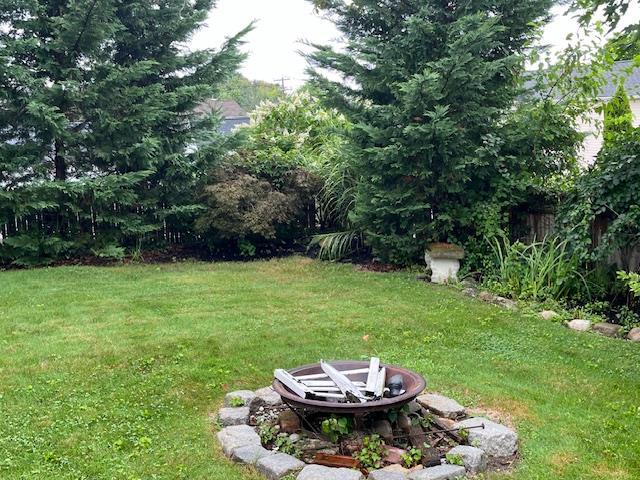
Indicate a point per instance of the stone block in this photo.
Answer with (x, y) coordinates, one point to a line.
(319, 472)
(475, 459)
(233, 416)
(441, 472)
(231, 438)
(279, 465)
(250, 454)
(441, 405)
(495, 439)
(245, 395)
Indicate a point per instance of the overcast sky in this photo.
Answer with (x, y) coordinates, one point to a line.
(281, 25)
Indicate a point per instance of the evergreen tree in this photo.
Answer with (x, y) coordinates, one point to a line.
(427, 82)
(618, 119)
(96, 102)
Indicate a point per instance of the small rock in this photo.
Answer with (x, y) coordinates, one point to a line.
(318, 472)
(396, 469)
(279, 465)
(245, 395)
(506, 303)
(487, 297)
(475, 460)
(249, 454)
(548, 314)
(404, 422)
(265, 397)
(308, 445)
(231, 438)
(579, 325)
(394, 455)
(295, 437)
(385, 475)
(495, 439)
(634, 335)
(470, 292)
(441, 472)
(441, 405)
(383, 428)
(289, 422)
(607, 329)
(233, 416)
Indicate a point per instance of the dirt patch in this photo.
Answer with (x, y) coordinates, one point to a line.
(508, 412)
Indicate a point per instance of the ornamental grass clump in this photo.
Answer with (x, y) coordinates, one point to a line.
(542, 270)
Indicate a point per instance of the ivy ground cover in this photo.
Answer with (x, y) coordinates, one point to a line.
(110, 373)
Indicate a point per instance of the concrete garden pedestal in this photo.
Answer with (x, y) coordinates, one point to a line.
(443, 259)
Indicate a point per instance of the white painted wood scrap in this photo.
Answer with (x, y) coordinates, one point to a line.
(292, 383)
(372, 377)
(343, 383)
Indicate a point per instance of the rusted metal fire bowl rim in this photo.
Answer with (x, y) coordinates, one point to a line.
(414, 384)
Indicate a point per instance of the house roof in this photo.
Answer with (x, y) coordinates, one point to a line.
(228, 109)
(632, 81)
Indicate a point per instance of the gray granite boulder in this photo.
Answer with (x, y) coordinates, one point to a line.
(475, 460)
(231, 438)
(579, 325)
(265, 397)
(233, 416)
(548, 314)
(634, 335)
(441, 472)
(495, 439)
(279, 465)
(607, 329)
(249, 454)
(318, 472)
(245, 395)
(385, 475)
(441, 405)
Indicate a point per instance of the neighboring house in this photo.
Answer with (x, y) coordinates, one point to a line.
(593, 129)
(230, 112)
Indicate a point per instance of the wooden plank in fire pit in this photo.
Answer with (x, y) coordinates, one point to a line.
(348, 388)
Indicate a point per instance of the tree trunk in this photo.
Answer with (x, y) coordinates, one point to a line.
(60, 163)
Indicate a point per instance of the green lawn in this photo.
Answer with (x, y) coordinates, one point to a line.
(109, 373)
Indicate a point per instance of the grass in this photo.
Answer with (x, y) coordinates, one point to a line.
(109, 373)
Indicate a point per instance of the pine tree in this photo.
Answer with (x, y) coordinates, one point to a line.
(618, 119)
(96, 117)
(427, 82)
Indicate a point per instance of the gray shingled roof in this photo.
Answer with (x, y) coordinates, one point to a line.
(632, 82)
(227, 109)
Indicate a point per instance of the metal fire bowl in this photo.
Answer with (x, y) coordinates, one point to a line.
(414, 384)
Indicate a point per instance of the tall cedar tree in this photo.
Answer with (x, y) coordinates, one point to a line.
(96, 102)
(425, 83)
(618, 118)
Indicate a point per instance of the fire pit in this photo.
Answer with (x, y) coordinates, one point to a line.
(346, 419)
(413, 384)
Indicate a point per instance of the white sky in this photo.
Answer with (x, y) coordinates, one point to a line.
(281, 26)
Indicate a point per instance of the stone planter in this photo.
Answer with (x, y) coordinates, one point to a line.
(443, 259)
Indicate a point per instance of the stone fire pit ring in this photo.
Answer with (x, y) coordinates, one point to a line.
(414, 384)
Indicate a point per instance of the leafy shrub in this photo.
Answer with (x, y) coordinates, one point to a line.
(609, 194)
(372, 453)
(538, 271)
(244, 210)
(335, 427)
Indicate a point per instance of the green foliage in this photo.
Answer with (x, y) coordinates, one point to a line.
(608, 194)
(454, 459)
(428, 87)
(244, 210)
(267, 432)
(284, 444)
(249, 93)
(337, 245)
(541, 270)
(237, 402)
(336, 427)
(412, 457)
(618, 118)
(632, 280)
(625, 45)
(372, 453)
(96, 119)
